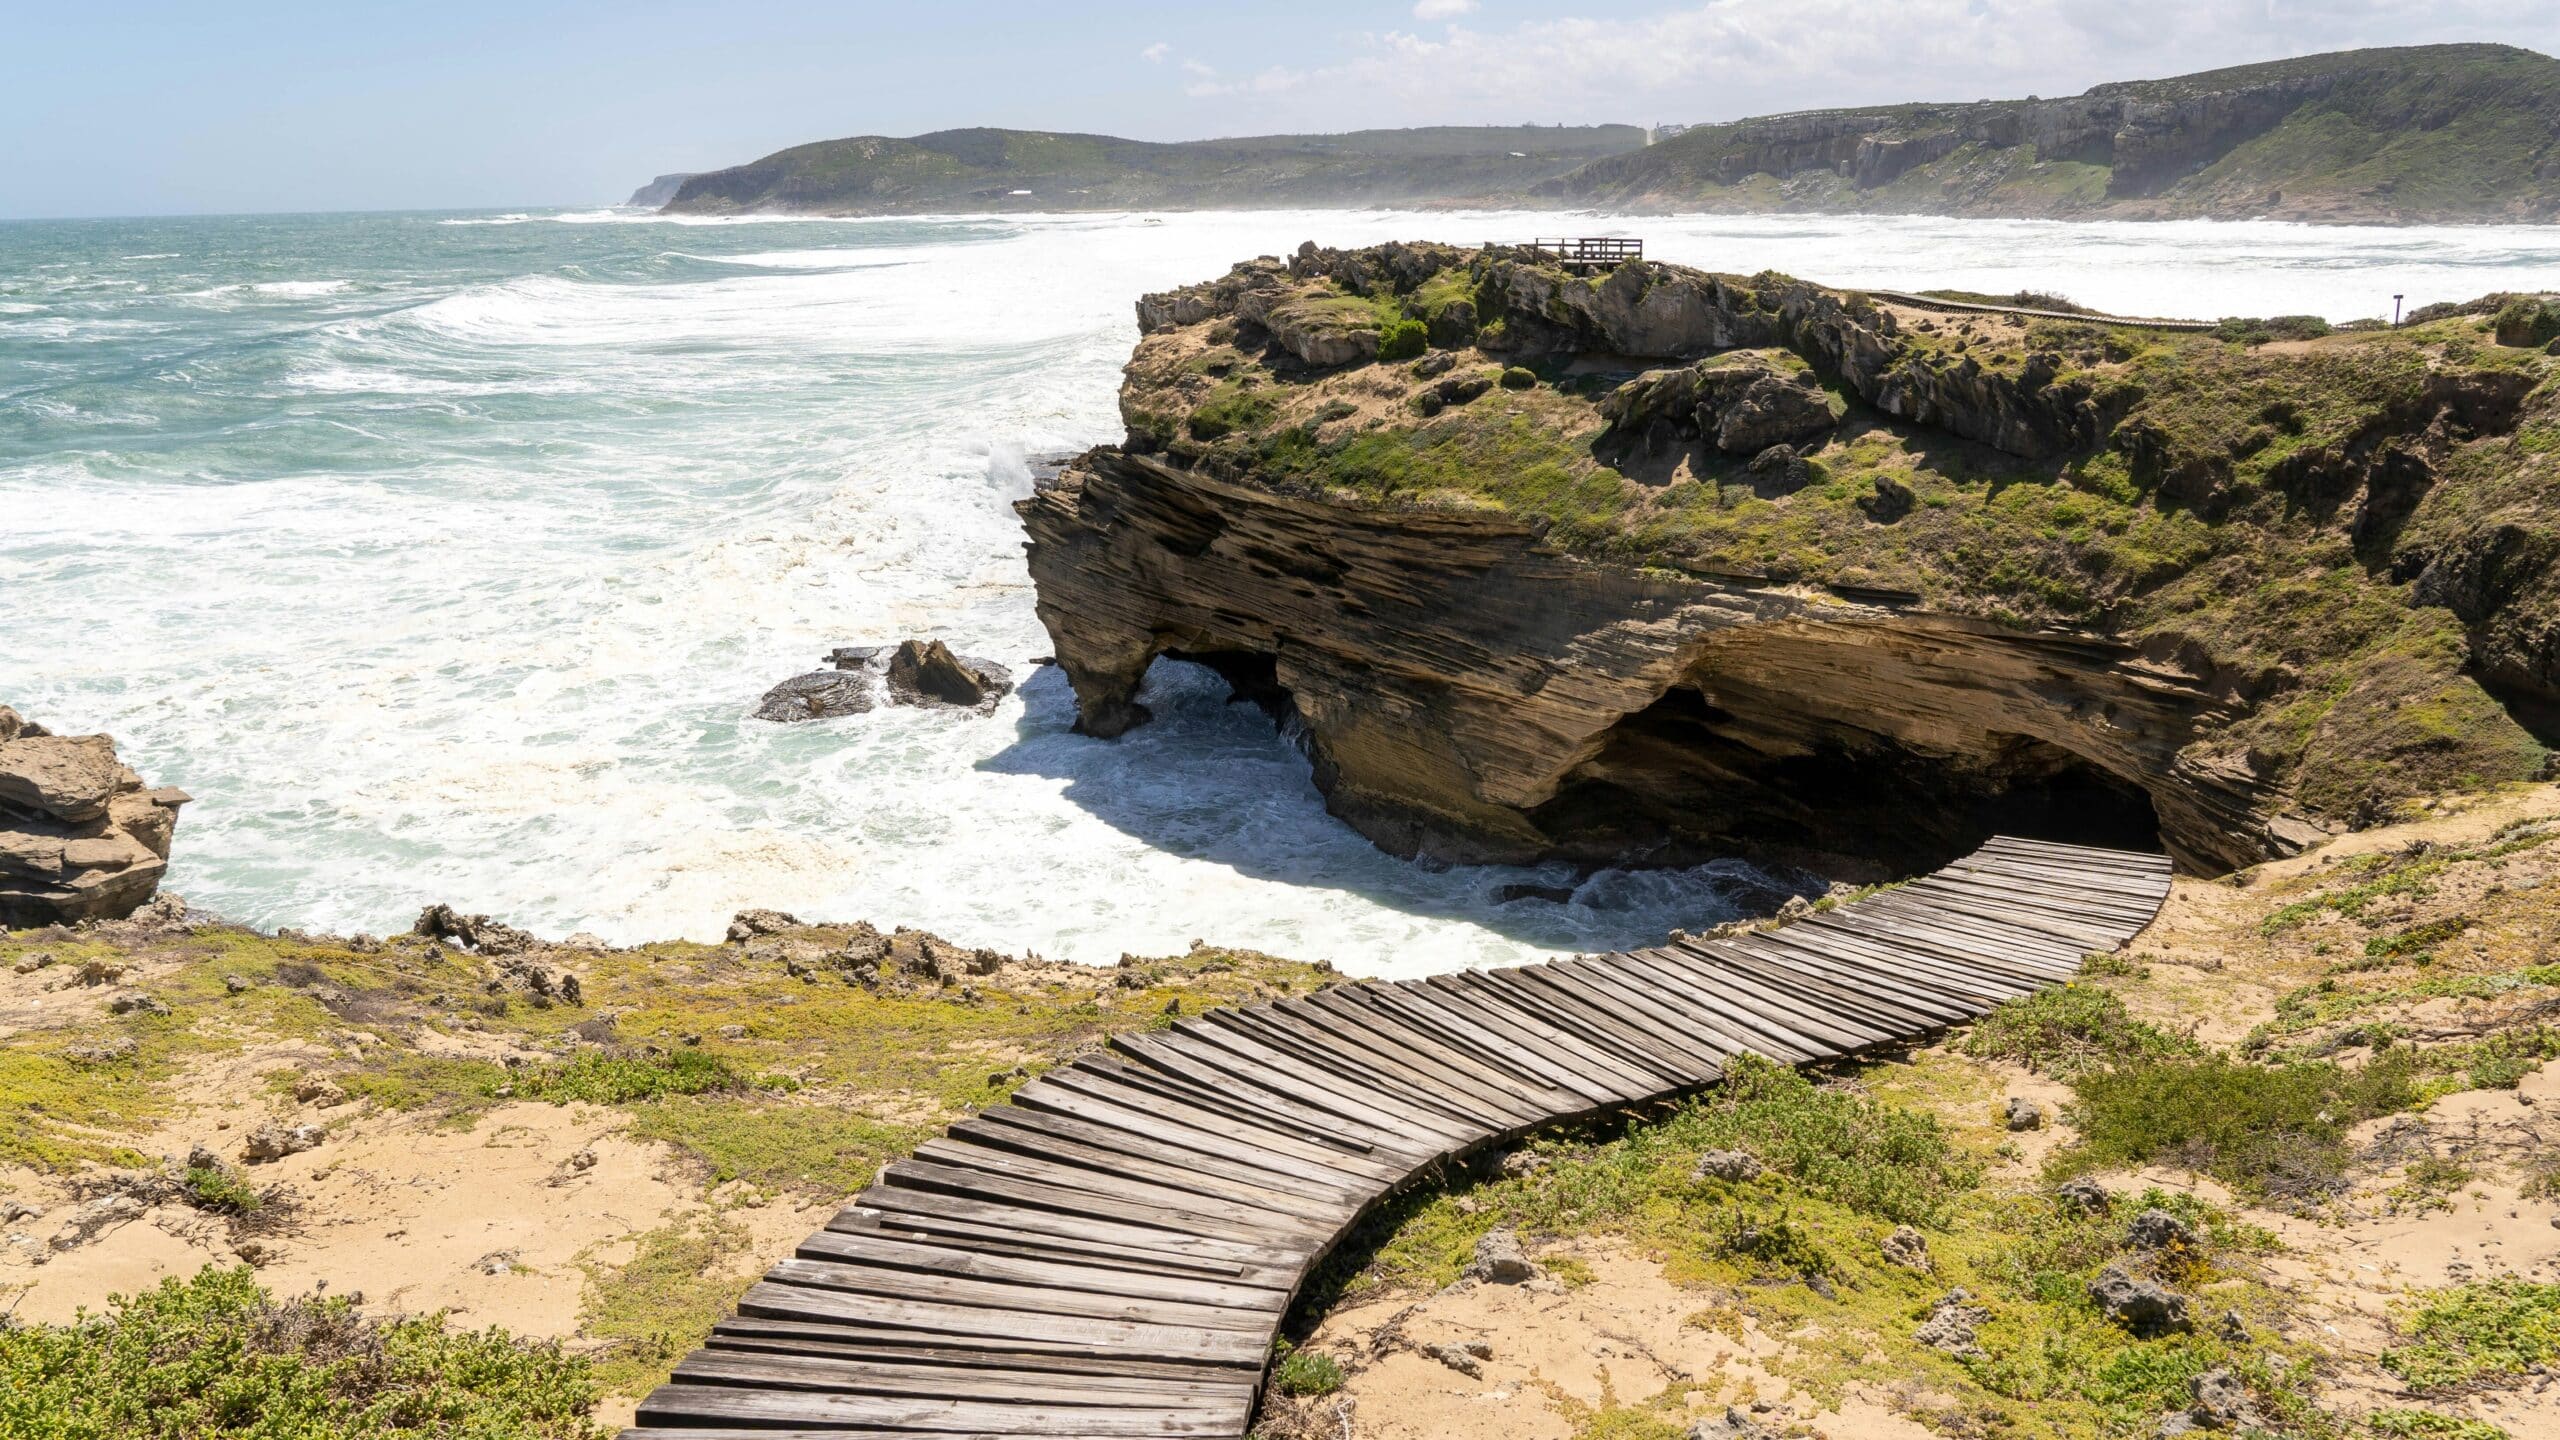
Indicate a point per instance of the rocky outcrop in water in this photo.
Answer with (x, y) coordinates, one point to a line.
(81, 836)
(916, 672)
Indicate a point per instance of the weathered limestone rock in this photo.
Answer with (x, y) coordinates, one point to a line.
(272, 1142)
(2158, 1230)
(473, 932)
(2021, 1114)
(1952, 1322)
(81, 837)
(1499, 1260)
(925, 672)
(1735, 1165)
(2142, 1306)
(1907, 1248)
(1466, 690)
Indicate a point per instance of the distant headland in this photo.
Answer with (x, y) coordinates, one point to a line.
(2413, 135)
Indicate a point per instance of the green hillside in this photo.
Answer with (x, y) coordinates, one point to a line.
(2426, 133)
(1040, 170)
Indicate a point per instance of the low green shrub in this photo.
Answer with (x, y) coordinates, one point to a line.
(1402, 339)
(603, 1079)
(2252, 330)
(1518, 377)
(2416, 938)
(2273, 1130)
(2429, 1425)
(214, 1358)
(2527, 320)
(1307, 1372)
(1230, 408)
(2469, 1333)
(2066, 1030)
(220, 1191)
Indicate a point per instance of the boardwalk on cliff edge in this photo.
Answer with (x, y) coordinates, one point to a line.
(1111, 1253)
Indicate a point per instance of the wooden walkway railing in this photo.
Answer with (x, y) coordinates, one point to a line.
(1111, 1253)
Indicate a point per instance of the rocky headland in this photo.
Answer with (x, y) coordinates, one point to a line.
(82, 837)
(1654, 563)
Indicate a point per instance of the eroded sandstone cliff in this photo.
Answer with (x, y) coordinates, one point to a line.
(1656, 564)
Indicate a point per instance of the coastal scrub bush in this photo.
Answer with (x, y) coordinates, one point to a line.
(1402, 339)
(2066, 1030)
(2429, 1425)
(213, 1357)
(220, 1191)
(2484, 1331)
(2253, 330)
(1307, 1372)
(2271, 1130)
(1518, 377)
(2527, 320)
(602, 1079)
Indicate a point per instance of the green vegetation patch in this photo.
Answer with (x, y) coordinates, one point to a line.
(599, 1078)
(2277, 1131)
(2066, 1030)
(2486, 1332)
(214, 1358)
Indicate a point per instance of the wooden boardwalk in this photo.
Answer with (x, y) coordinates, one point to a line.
(1111, 1253)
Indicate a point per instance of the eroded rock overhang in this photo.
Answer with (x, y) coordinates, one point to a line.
(1471, 694)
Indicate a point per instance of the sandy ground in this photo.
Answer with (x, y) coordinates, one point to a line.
(1623, 1338)
(495, 1223)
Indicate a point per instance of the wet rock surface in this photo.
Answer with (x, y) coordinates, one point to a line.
(82, 837)
(860, 677)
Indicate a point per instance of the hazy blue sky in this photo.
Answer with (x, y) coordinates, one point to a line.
(113, 108)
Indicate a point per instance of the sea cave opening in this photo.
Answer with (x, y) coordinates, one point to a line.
(1684, 780)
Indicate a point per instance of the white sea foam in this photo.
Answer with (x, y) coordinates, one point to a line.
(461, 590)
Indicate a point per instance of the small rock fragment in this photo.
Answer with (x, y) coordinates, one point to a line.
(1519, 1163)
(1727, 1165)
(1499, 1260)
(2022, 1114)
(271, 1141)
(2232, 1328)
(1951, 1323)
(748, 924)
(2222, 1401)
(1907, 1248)
(2085, 1195)
(236, 984)
(2145, 1308)
(91, 1218)
(2157, 1229)
(1458, 1360)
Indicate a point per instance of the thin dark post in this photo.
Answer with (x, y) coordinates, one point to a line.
(2395, 312)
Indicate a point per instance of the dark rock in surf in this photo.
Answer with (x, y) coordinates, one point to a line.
(925, 672)
(818, 695)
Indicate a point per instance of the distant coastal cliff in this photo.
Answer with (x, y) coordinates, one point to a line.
(2438, 133)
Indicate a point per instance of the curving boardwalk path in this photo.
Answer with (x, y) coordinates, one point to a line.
(1111, 1253)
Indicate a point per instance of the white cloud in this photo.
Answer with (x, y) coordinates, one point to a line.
(1442, 9)
(1156, 53)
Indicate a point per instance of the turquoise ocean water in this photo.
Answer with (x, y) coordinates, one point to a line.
(442, 556)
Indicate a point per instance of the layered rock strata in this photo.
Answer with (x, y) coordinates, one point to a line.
(81, 836)
(1469, 694)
